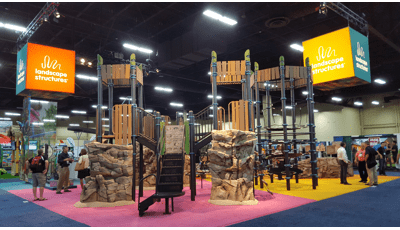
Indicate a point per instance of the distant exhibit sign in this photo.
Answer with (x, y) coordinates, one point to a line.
(45, 72)
(339, 59)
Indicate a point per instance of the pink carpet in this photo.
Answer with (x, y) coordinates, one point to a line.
(187, 213)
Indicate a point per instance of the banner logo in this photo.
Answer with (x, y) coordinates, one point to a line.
(328, 52)
(49, 65)
(360, 50)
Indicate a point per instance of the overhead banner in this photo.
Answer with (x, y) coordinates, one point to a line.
(45, 68)
(339, 59)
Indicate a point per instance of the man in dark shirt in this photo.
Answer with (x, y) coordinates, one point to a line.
(39, 166)
(63, 180)
(382, 161)
(394, 153)
(370, 155)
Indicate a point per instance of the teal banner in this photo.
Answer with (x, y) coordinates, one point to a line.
(360, 50)
(21, 69)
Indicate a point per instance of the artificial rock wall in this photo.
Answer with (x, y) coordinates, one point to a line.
(111, 172)
(231, 165)
(328, 167)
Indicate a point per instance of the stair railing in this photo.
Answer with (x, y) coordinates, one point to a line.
(204, 122)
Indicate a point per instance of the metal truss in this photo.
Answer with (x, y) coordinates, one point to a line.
(43, 15)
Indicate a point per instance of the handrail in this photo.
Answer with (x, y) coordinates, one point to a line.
(139, 185)
(202, 111)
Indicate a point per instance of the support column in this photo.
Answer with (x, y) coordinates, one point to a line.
(294, 142)
(214, 89)
(192, 158)
(310, 108)
(99, 99)
(157, 136)
(133, 97)
(259, 147)
(269, 146)
(248, 88)
(110, 104)
(141, 161)
(285, 139)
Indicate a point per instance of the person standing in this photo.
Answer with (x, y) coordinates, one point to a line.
(39, 166)
(370, 163)
(63, 180)
(83, 159)
(343, 161)
(382, 161)
(360, 160)
(394, 153)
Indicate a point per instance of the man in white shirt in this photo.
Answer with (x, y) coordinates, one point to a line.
(343, 161)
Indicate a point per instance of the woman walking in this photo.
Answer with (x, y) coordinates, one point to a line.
(83, 159)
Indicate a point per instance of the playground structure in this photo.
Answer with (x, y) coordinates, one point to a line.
(131, 125)
(283, 78)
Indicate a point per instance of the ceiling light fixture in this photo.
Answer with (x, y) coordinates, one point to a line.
(211, 115)
(358, 103)
(316, 111)
(375, 102)
(380, 81)
(57, 14)
(88, 122)
(87, 77)
(105, 119)
(39, 101)
(106, 126)
(82, 60)
(176, 104)
(149, 110)
(37, 123)
(5, 119)
(12, 27)
(163, 89)
(12, 114)
(211, 96)
(73, 124)
(297, 47)
(49, 120)
(129, 46)
(103, 107)
(288, 107)
(336, 99)
(125, 98)
(209, 73)
(219, 17)
(304, 93)
(62, 116)
(78, 111)
(89, 64)
(275, 115)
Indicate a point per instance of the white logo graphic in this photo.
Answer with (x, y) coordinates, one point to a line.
(360, 50)
(322, 54)
(46, 63)
(21, 65)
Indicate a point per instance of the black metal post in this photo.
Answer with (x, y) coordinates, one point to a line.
(141, 161)
(285, 139)
(214, 89)
(110, 104)
(99, 99)
(133, 97)
(292, 96)
(192, 160)
(157, 137)
(248, 88)
(311, 125)
(258, 111)
(269, 146)
(177, 118)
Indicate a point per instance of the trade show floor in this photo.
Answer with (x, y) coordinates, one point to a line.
(331, 204)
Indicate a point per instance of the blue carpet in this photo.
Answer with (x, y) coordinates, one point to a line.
(18, 185)
(15, 213)
(370, 207)
(9, 180)
(388, 173)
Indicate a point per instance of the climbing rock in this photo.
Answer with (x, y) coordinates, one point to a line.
(231, 165)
